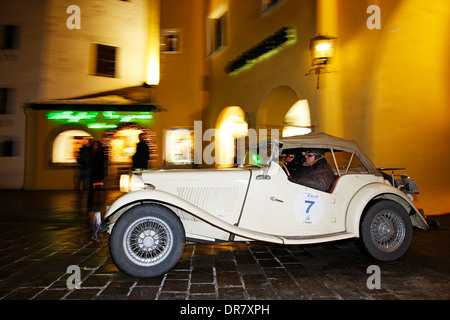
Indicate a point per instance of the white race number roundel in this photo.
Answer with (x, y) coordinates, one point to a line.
(308, 207)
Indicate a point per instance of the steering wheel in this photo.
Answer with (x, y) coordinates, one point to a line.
(285, 169)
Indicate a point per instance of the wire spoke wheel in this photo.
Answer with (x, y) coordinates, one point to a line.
(387, 231)
(148, 241)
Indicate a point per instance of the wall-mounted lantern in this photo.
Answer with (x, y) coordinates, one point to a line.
(322, 50)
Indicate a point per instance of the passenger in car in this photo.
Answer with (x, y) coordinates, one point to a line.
(315, 172)
(293, 163)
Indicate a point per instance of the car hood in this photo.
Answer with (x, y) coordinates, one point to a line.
(179, 175)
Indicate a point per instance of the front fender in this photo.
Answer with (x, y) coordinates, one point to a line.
(156, 196)
(377, 191)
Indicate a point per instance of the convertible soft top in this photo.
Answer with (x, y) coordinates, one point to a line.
(326, 141)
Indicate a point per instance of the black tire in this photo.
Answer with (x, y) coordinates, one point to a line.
(385, 231)
(147, 241)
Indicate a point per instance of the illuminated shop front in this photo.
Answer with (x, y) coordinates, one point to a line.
(120, 131)
(57, 129)
(178, 147)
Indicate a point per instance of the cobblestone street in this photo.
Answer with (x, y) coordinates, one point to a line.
(44, 233)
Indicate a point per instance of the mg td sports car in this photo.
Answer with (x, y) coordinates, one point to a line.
(163, 209)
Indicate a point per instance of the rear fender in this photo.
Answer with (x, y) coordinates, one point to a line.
(362, 200)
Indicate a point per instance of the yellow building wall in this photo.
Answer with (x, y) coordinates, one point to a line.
(181, 91)
(394, 90)
(19, 72)
(412, 81)
(389, 91)
(286, 68)
(68, 56)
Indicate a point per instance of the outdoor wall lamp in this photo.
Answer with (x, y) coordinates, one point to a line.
(322, 50)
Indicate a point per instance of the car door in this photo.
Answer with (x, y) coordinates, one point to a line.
(280, 207)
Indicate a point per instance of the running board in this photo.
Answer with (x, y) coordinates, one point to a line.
(317, 238)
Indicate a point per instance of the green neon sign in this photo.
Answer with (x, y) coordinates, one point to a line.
(72, 116)
(95, 119)
(97, 125)
(111, 115)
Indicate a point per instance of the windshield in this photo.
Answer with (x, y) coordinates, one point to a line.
(261, 154)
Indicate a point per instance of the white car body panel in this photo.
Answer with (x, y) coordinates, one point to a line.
(173, 201)
(210, 202)
(257, 203)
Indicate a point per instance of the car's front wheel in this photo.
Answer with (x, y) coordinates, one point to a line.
(385, 231)
(147, 241)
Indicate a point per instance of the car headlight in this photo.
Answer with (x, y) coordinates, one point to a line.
(131, 182)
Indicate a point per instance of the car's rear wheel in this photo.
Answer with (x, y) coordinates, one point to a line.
(385, 231)
(147, 241)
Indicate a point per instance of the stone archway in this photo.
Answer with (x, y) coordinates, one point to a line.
(280, 108)
(274, 106)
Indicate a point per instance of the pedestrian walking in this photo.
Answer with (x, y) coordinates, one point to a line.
(142, 155)
(97, 163)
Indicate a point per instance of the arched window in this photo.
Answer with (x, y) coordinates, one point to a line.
(67, 145)
(297, 120)
(231, 124)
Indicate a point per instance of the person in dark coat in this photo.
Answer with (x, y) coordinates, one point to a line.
(84, 162)
(316, 172)
(97, 164)
(142, 155)
(293, 162)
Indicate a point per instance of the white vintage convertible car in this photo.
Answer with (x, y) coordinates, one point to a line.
(163, 209)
